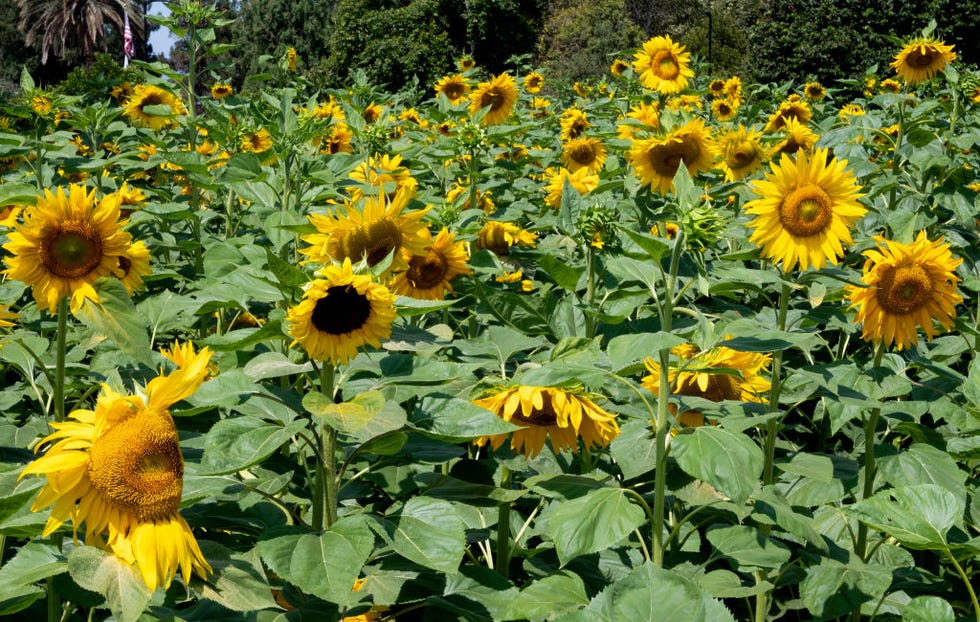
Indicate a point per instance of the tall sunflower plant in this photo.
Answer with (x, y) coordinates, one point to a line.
(352, 355)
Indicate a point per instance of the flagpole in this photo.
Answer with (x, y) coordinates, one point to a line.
(127, 39)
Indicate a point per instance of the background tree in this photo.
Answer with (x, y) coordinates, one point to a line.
(70, 28)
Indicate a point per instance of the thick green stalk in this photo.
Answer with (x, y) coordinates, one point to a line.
(666, 308)
(503, 527)
(590, 321)
(325, 484)
(59, 365)
(772, 427)
(870, 462)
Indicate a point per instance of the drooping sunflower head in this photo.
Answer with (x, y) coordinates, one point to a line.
(907, 287)
(574, 122)
(561, 416)
(67, 241)
(814, 91)
(741, 152)
(340, 312)
(582, 180)
(533, 82)
(718, 374)
(587, 153)
(454, 87)
(153, 107)
(656, 160)
(429, 276)
(119, 470)
(921, 59)
(498, 237)
(498, 96)
(806, 208)
(663, 65)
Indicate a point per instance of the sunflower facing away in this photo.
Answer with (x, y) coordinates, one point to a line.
(805, 210)
(429, 276)
(340, 312)
(718, 374)
(371, 228)
(663, 65)
(921, 59)
(143, 105)
(67, 241)
(498, 95)
(548, 413)
(908, 286)
(454, 87)
(656, 160)
(119, 470)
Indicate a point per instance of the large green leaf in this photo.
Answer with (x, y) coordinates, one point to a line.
(428, 532)
(634, 449)
(544, 598)
(115, 317)
(119, 583)
(238, 582)
(455, 421)
(749, 548)
(237, 443)
(917, 516)
(324, 564)
(593, 522)
(832, 589)
(625, 350)
(730, 462)
(928, 609)
(33, 562)
(924, 464)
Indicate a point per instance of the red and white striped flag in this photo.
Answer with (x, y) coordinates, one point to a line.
(127, 40)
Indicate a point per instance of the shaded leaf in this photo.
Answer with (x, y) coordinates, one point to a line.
(595, 521)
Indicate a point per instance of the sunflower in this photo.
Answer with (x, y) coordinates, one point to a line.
(890, 86)
(849, 111)
(483, 200)
(789, 109)
(921, 59)
(499, 236)
(663, 65)
(340, 312)
(498, 96)
(454, 87)
(587, 153)
(134, 264)
(65, 244)
(574, 122)
(256, 142)
(907, 286)
(371, 228)
(221, 91)
(119, 470)
(533, 82)
(144, 104)
(656, 160)
(41, 104)
(814, 91)
(339, 140)
(733, 88)
(646, 117)
(718, 374)
(716, 88)
(371, 113)
(466, 63)
(798, 137)
(724, 109)
(9, 215)
(385, 173)
(741, 152)
(806, 209)
(618, 67)
(428, 276)
(582, 180)
(291, 58)
(548, 413)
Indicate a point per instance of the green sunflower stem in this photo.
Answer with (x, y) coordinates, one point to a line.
(666, 308)
(325, 484)
(590, 321)
(59, 365)
(967, 582)
(772, 427)
(503, 527)
(870, 461)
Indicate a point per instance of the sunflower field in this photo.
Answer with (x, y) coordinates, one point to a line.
(664, 346)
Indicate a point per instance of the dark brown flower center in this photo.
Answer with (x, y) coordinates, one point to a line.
(544, 416)
(904, 289)
(341, 311)
(665, 65)
(806, 211)
(152, 99)
(374, 241)
(71, 250)
(427, 272)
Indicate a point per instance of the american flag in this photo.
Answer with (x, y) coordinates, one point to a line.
(127, 40)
